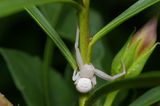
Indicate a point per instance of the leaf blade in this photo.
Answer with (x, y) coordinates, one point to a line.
(143, 81)
(23, 84)
(148, 98)
(45, 25)
(137, 7)
(27, 73)
(7, 6)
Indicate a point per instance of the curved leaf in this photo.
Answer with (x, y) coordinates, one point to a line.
(11, 6)
(45, 25)
(27, 73)
(143, 81)
(148, 98)
(137, 7)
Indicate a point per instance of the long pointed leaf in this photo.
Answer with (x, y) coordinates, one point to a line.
(11, 6)
(143, 81)
(147, 99)
(45, 25)
(137, 7)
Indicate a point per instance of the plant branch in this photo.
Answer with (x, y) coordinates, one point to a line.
(84, 30)
(84, 40)
(136, 8)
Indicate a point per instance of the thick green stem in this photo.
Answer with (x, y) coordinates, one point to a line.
(84, 30)
(84, 39)
(47, 61)
(82, 99)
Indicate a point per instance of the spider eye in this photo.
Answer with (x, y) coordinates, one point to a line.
(84, 85)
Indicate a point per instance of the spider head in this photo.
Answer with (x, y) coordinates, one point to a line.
(84, 85)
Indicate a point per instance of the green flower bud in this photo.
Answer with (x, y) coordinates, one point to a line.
(137, 50)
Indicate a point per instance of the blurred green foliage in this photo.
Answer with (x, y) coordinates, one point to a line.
(20, 32)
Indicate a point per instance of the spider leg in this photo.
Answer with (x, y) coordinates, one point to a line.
(105, 76)
(75, 76)
(94, 81)
(78, 55)
(123, 67)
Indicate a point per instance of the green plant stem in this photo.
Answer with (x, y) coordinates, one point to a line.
(47, 61)
(84, 30)
(84, 40)
(110, 98)
(89, 50)
(82, 99)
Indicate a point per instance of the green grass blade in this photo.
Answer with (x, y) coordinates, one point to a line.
(147, 99)
(143, 81)
(45, 25)
(11, 6)
(139, 6)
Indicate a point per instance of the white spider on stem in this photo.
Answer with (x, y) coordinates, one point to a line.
(85, 78)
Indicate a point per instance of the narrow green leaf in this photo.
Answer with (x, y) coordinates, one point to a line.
(45, 25)
(148, 98)
(143, 81)
(137, 7)
(11, 6)
(27, 73)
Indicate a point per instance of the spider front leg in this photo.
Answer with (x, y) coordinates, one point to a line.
(75, 76)
(94, 82)
(78, 54)
(105, 76)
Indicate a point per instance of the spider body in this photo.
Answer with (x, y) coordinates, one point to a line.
(84, 85)
(84, 79)
(85, 76)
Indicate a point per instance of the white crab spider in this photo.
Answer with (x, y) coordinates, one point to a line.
(85, 78)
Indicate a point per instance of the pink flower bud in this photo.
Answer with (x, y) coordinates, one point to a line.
(137, 50)
(146, 36)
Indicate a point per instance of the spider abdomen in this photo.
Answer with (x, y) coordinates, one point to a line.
(84, 85)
